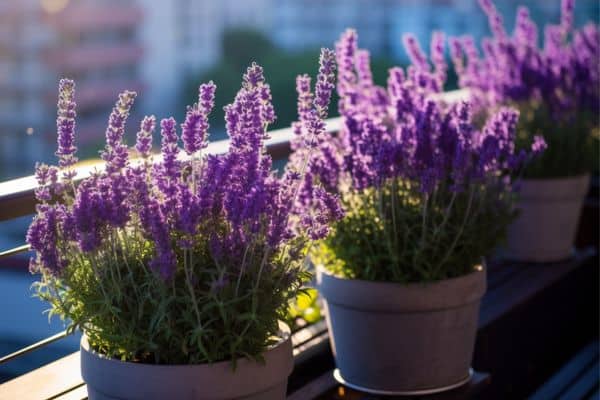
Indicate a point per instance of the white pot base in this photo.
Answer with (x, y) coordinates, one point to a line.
(338, 377)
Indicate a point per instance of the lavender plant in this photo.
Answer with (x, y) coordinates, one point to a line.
(169, 259)
(426, 195)
(556, 87)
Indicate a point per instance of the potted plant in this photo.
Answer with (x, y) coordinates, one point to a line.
(557, 90)
(425, 197)
(178, 268)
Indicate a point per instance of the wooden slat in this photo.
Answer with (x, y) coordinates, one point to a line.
(524, 285)
(568, 374)
(316, 387)
(585, 385)
(500, 273)
(325, 387)
(79, 393)
(47, 382)
(308, 333)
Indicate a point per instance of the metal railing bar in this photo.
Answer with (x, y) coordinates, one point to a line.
(14, 251)
(34, 346)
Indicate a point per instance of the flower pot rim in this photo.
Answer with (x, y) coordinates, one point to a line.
(476, 269)
(284, 335)
(554, 189)
(111, 378)
(397, 297)
(581, 175)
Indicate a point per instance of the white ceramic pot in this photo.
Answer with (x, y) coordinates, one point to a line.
(549, 211)
(110, 379)
(402, 339)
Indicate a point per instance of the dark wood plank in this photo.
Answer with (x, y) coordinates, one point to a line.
(585, 385)
(526, 284)
(47, 382)
(315, 388)
(500, 273)
(326, 388)
(532, 325)
(568, 374)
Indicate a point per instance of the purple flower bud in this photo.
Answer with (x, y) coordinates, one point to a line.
(254, 76)
(325, 82)
(116, 153)
(65, 123)
(143, 143)
(305, 97)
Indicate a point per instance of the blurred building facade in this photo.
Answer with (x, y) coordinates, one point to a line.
(154, 47)
(94, 42)
(183, 37)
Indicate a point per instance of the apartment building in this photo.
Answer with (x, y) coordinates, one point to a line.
(94, 42)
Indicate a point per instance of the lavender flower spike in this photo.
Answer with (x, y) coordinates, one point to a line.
(65, 123)
(116, 153)
(305, 96)
(194, 130)
(143, 144)
(206, 96)
(325, 82)
(494, 18)
(416, 55)
(169, 149)
(566, 16)
(254, 76)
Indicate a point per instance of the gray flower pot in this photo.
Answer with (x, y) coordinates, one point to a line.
(113, 379)
(546, 227)
(391, 338)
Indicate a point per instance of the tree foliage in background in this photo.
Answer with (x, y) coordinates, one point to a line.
(242, 46)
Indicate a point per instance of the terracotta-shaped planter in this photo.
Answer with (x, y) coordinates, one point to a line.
(108, 378)
(549, 211)
(390, 338)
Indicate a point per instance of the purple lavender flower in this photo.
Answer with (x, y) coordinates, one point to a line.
(494, 17)
(305, 96)
(47, 180)
(437, 57)
(253, 77)
(65, 124)
(345, 50)
(416, 55)
(194, 130)
(116, 153)
(325, 82)
(539, 145)
(143, 144)
(411, 137)
(515, 69)
(169, 149)
(566, 16)
(43, 238)
(226, 204)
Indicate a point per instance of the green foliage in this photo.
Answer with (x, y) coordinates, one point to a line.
(206, 313)
(573, 145)
(281, 69)
(242, 46)
(304, 307)
(396, 234)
